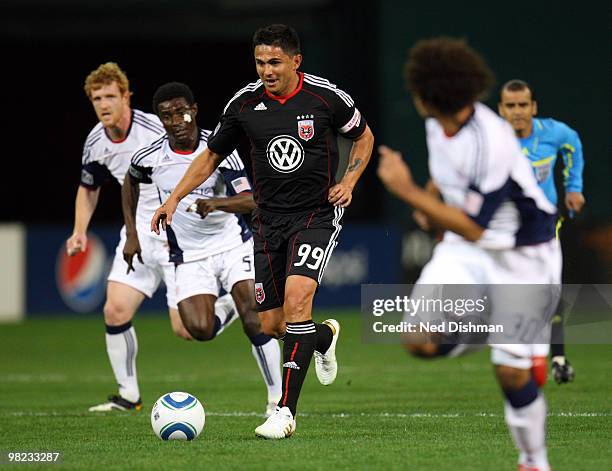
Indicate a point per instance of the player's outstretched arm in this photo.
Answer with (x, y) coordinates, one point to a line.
(395, 175)
(242, 203)
(341, 194)
(199, 170)
(85, 205)
(130, 193)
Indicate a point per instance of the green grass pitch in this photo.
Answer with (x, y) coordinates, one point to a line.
(385, 410)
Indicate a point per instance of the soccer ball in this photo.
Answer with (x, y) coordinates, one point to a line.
(177, 416)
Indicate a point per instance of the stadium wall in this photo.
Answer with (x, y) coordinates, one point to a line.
(12, 275)
(58, 284)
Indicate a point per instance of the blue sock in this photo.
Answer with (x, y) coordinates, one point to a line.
(524, 396)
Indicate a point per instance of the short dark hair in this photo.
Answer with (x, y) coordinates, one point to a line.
(447, 74)
(516, 85)
(171, 90)
(279, 35)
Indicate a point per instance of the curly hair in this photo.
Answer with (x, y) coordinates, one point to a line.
(106, 74)
(171, 90)
(447, 74)
(279, 35)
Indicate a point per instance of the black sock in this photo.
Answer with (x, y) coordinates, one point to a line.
(299, 347)
(324, 337)
(557, 334)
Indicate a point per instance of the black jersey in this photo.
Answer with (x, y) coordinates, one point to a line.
(293, 140)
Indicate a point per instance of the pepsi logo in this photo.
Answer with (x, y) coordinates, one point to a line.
(81, 279)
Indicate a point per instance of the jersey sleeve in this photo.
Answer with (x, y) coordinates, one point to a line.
(224, 139)
(140, 169)
(94, 175)
(570, 148)
(490, 183)
(347, 119)
(234, 175)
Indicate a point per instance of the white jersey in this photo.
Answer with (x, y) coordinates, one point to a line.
(482, 171)
(190, 237)
(104, 159)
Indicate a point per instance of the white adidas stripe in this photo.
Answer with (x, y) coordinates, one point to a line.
(249, 88)
(324, 83)
(338, 211)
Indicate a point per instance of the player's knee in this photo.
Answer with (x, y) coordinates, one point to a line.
(199, 328)
(510, 378)
(116, 313)
(298, 304)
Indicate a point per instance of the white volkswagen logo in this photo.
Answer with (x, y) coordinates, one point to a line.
(285, 154)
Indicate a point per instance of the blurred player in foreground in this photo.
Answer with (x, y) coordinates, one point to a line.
(542, 140)
(106, 155)
(210, 243)
(495, 217)
(292, 120)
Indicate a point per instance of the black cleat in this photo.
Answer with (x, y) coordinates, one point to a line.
(117, 403)
(562, 370)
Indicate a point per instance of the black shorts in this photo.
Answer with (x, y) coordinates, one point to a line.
(291, 244)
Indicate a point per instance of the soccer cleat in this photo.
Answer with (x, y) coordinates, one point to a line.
(116, 403)
(562, 370)
(280, 424)
(270, 408)
(525, 467)
(326, 364)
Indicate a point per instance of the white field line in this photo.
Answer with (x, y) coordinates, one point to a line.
(392, 415)
(63, 378)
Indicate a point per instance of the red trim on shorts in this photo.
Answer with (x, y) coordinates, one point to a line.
(269, 261)
(292, 252)
(289, 373)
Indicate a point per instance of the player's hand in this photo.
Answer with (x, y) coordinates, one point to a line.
(341, 194)
(77, 243)
(393, 171)
(131, 248)
(203, 206)
(574, 201)
(163, 215)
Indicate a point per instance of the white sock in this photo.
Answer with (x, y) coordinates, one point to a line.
(528, 428)
(122, 349)
(223, 307)
(268, 358)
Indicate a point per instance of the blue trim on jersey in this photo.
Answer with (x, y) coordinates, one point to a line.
(535, 225)
(245, 231)
(176, 253)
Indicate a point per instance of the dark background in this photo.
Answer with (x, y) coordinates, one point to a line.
(49, 48)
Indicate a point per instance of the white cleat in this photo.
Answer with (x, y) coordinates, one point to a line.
(280, 424)
(326, 364)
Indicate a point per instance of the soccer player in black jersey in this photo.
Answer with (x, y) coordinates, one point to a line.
(292, 120)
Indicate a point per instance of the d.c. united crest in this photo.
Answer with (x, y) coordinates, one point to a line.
(306, 127)
(260, 294)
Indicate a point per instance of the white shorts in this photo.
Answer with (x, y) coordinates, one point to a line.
(460, 262)
(148, 275)
(209, 275)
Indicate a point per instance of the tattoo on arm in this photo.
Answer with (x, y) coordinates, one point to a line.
(354, 166)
